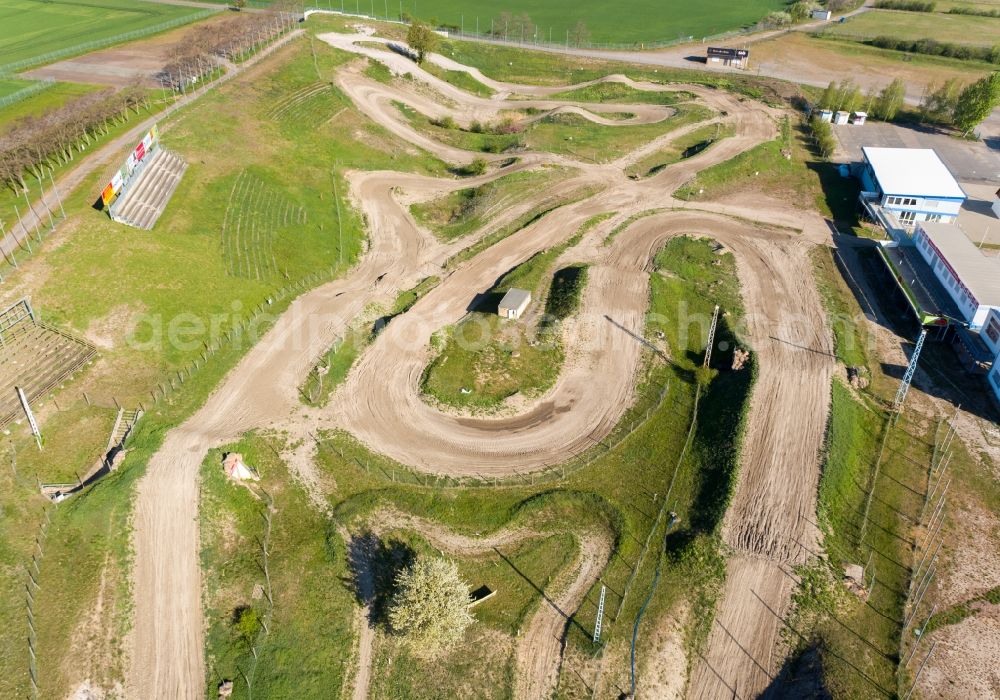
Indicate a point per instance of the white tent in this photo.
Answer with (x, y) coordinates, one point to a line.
(236, 468)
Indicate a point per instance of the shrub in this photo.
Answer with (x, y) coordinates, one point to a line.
(476, 167)
(446, 122)
(907, 5)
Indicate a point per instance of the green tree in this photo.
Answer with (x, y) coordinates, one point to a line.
(430, 607)
(890, 100)
(421, 39)
(579, 34)
(938, 104)
(976, 102)
(852, 97)
(828, 100)
(801, 11)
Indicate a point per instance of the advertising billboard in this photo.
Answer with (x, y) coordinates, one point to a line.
(114, 187)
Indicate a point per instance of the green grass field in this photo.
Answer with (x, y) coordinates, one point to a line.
(34, 27)
(9, 86)
(631, 22)
(683, 147)
(958, 29)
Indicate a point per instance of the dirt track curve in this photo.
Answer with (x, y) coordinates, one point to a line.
(539, 647)
(380, 401)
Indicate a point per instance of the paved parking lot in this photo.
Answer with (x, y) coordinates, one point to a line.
(969, 161)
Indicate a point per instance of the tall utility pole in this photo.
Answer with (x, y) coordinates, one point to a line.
(904, 387)
(600, 615)
(711, 335)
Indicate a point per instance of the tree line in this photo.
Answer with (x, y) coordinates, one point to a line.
(947, 104)
(197, 54)
(35, 144)
(933, 47)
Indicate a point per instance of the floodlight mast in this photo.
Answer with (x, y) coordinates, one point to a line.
(711, 335)
(904, 387)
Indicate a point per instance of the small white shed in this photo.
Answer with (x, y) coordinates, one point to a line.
(859, 118)
(514, 303)
(841, 117)
(825, 115)
(823, 15)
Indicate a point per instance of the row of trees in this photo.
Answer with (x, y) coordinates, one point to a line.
(198, 53)
(949, 103)
(847, 96)
(35, 144)
(933, 47)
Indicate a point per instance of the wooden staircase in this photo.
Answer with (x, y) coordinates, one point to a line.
(124, 423)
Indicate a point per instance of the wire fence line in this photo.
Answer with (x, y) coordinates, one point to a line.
(265, 624)
(26, 92)
(31, 586)
(7, 69)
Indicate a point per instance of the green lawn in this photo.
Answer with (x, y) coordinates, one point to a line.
(464, 211)
(39, 103)
(958, 29)
(683, 147)
(574, 135)
(621, 93)
(309, 630)
(69, 289)
(31, 28)
(630, 22)
(866, 505)
(460, 79)
(8, 86)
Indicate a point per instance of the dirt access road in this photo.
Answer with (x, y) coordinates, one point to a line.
(166, 643)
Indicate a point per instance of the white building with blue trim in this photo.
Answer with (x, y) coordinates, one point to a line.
(910, 185)
(991, 337)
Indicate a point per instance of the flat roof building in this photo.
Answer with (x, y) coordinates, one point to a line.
(734, 58)
(970, 278)
(911, 184)
(514, 303)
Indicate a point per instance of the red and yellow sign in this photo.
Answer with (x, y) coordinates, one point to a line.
(121, 178)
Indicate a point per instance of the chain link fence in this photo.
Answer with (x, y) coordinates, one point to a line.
(26, 92)
(8, 69)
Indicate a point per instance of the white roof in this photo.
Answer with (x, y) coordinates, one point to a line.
(861, 114)
(515, 299)
(980, 274)
(917, 172)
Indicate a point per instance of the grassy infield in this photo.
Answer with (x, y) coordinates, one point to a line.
(309, 644)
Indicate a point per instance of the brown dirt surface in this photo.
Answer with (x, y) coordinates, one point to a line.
(119, 66)
(380, 401)
(964, 664)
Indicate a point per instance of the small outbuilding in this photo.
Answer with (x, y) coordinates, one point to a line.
(731, 58)
(859, 118)
(822, 15)
(841, 117)
(825, 115)
(514, 303)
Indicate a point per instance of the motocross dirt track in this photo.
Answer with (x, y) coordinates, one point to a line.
(380, 402)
